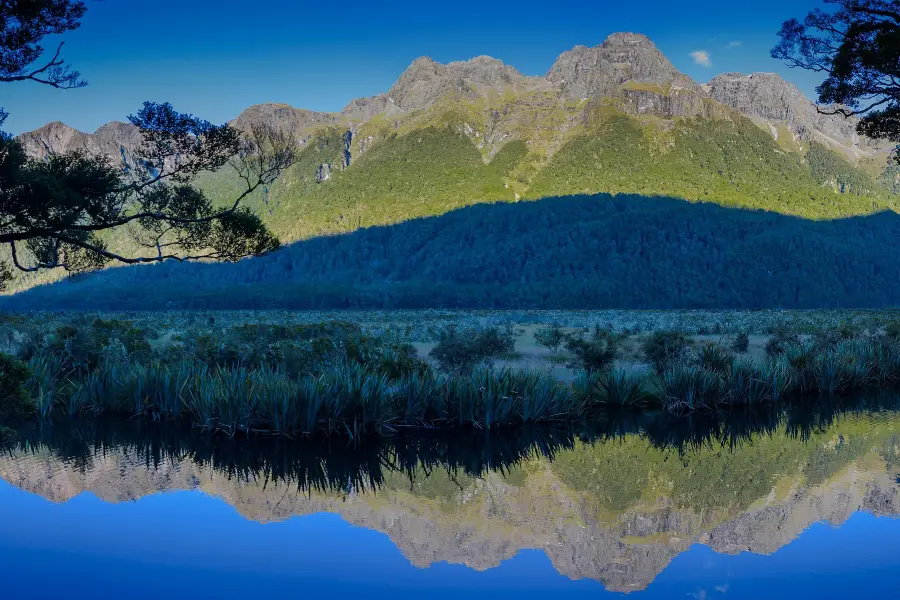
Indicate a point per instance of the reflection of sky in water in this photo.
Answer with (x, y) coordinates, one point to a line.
(188, 544)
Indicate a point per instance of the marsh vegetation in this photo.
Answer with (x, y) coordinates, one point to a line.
(239, 377)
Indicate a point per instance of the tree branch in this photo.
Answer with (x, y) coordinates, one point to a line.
(58, 75)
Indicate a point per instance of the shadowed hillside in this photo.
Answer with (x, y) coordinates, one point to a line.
(572, 252)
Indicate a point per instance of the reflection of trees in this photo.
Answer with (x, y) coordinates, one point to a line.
(619, 459)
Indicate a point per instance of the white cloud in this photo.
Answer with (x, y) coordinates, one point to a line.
(735, 43)
(701, 57)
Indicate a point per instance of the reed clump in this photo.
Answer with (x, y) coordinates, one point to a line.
(715, 379)
(334, 378)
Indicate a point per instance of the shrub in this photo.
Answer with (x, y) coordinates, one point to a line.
(397, 361)
(741, 342)
(622, 390)
(594, 354)
(664, 349)
(15, 402)
(8, 436)
(686, 388)
(715, 358)
(550, 337)
(892, 329)
(460, 351)
(781, 339)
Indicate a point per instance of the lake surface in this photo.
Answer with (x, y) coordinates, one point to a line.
(799, 505)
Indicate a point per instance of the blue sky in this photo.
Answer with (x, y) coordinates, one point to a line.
(215, 58)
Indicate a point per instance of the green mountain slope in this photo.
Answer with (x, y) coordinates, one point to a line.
(615, 119)
(422, 173)
(731, 162)
(430, 171)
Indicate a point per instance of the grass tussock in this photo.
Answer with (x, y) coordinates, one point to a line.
(334, 378)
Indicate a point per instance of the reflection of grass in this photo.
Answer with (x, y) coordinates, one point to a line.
(558, 359)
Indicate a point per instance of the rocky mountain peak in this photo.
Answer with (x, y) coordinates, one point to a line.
(766, 95)
(299, 122)
(50, 139)
(115, 139)
(770, 97)
(626, 70)
(426, 80)
(622, 58)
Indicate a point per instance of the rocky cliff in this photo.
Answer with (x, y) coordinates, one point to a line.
(767, 96)
(627, 69)
(630, 67)
(116, 140)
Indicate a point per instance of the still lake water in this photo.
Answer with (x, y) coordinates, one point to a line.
(774, 506)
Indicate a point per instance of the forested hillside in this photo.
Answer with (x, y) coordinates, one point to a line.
(431, 171)
(572, 252)
(618, 182)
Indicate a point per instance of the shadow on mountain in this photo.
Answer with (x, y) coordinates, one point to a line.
(596, 251)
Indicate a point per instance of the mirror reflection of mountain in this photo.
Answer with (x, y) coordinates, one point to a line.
(614, 504)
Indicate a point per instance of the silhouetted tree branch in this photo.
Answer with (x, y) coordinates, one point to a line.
(23, 24)
(58, 208)
(857, 48)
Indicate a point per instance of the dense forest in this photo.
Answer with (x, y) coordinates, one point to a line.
(430, 171)
(597, 251)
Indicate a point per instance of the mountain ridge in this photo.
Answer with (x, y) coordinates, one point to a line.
(446, 136)
(626, 66)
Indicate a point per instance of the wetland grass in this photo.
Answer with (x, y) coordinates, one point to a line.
(335, 379)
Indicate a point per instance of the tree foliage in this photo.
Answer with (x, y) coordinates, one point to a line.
(857, 48)
(576, 252)
(23, 25)
(59, 212)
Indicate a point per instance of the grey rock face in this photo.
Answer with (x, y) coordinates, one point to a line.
(425, 81)
(117, 140)
(764, 95)
(298, 122)
(363, 109)
(769, 97)
(626, 65)
(323, 173)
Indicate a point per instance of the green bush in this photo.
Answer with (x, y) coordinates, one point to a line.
(595, 354)
(715, 358)
(550, 337)
(460, 351)
(687, 388)
(892, 329)
(664, 349)
(780, 340)
(8, 436)
(614, 389)
(15, 402)
(741, 342)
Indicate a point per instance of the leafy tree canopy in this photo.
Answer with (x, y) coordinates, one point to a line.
(59, 211)
(856, 47)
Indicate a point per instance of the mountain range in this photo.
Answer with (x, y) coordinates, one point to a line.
(626, 71)
(616, 119)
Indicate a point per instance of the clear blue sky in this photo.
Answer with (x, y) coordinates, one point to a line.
(215, 58)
